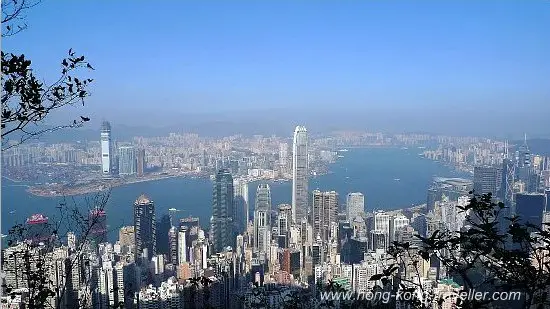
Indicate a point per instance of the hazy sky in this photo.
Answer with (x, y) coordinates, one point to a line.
(404, 60)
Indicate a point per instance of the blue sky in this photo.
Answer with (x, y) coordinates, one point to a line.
(409, 58)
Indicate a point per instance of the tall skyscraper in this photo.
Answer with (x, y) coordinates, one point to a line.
(300, 174)
(127, 161)
(106, 147)
(355, 204)
(140, 162)
(530, 207)
(284, 220)
(262, 218)
(283, 156)
(221, 223)
(144, 227)
(182, 245)
(324, 213)
(485, 180)
(242, 210)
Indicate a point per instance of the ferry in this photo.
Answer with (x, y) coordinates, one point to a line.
(396, 179)
(340, 156)
(343, 150)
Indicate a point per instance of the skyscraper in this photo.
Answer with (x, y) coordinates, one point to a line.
(144, 227)
(485, 180)
(106, 146)
(530, 207)
(355, 204)
(127, 161)
(283, 156)
(324, 213)
(300, 174)
(283, 224)
(221, 223)
(262, 218)
(140, 162)
(240, 186)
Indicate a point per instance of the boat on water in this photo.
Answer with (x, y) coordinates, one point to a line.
(343, 150)
(340, 156)
(396, 179)
(404, 148)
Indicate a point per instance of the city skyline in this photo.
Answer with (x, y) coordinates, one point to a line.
(275, 153)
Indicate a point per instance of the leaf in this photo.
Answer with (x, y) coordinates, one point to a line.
(376, 277)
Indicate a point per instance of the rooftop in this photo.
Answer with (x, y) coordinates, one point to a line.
(143, 200)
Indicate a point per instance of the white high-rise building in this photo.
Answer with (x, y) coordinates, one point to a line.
(300, 174)
(397, 223)
(182, 246)
(283, 155)
(242, 208)
(382, 223)
(106, 147)
(355, 204)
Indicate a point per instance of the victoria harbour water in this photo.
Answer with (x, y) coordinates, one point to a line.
(390, 178)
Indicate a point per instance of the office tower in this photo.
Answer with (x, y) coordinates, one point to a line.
(221, 222)
(106, 147)
(182, 245)
(126, 236)
(284, 219)
(110, 284)
(485, 180)
(262, 218)
(378, 240)
(381, 222)
(396, 224)
(524, 162)
(173, 245)
(324, 213)
(38, 229)
(162, 229)
(530, 206)
(98, 225)
(283, 156)
(241, 204)
(300, 174)
(355, 204)
(507, 187)
(140, 158)
(127, 162)
(144, 227)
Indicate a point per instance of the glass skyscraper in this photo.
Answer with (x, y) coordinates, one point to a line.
(262, 218)
(240, 186)
(144, 227)
(300, 174)
(127, 161)
(221, 223)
